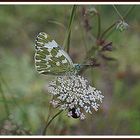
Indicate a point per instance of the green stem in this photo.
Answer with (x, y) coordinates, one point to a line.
(49, 112)
(121, 17)
(107, 30)
(129, 11)
(99, 26)
(44, 131)
(66, 43)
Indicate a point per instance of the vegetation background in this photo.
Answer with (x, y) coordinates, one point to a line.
(24, 99)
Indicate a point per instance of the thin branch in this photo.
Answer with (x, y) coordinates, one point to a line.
(121, 17)
(66, 43)
(108, 29)
(99, 26)
(45, 129)
(129, 11)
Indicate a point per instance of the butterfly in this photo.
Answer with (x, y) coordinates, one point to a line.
(50, 58)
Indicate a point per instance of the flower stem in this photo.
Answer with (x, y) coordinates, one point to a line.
(121, 17)
(66, 43)
(99, 25)
(107, 30)
(49, 113)
(129, 11)
(44, 131)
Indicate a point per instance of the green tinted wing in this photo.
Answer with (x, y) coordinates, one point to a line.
(49, 57)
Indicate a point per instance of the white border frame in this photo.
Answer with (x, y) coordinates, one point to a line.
(68, 3)
(71, 136)
(71, 3)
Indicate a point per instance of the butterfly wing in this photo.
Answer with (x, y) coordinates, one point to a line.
(50, 58)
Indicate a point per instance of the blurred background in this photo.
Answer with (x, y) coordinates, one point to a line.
(24, 100)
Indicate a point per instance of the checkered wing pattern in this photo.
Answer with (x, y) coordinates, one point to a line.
(50, 58)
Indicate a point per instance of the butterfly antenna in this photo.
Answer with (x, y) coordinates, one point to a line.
(92, 64)
(85, 64)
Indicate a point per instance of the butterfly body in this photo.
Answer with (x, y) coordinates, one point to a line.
(50, 58)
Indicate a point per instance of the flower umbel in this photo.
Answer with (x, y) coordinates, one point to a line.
(74, 94)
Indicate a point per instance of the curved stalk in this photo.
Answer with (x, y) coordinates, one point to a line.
(99, 26)
(121, 17)
(66, 43)
(45, 129)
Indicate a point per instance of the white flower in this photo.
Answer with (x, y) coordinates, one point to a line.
(122, 25)
(82, 116)
(54, 103)
(74, 94)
